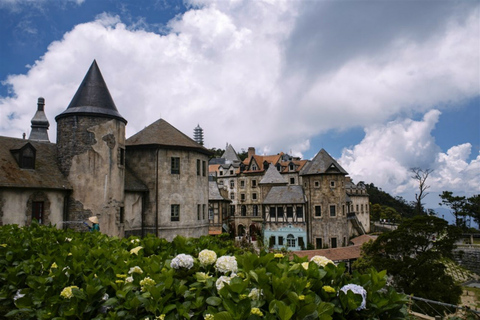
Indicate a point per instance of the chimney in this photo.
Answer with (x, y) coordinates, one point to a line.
(251, 152)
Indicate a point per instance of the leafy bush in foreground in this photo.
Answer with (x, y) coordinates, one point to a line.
(48, 273)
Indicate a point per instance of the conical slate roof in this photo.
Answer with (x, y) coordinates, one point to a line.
(322, 163)
(92, 98)
(272, 176)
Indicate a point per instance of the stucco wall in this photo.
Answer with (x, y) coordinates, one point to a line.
(133, 212)
(186, 189)
(15, 206)
(327, 227)
(91, 160)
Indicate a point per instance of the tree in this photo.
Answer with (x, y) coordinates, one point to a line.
(457, 205)
(382, 198)
(412, 255)
(472, 208)
(421, 176)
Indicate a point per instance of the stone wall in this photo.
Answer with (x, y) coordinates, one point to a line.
(468, 257)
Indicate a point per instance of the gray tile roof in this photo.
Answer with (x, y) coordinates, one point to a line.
(285, 195)
(322, 163)
(132, 183)
(214, 193)
(92, 97)
(272, 176)
(230, 154)
(46, 174)
(163, 134)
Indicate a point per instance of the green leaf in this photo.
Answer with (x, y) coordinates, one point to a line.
(223, 316)
(214, 301)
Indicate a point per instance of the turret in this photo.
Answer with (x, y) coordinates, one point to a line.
(40, 123)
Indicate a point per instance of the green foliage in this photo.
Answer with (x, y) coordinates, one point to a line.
(48, 273)
(412, 254)
(397, 204)
(462, 207)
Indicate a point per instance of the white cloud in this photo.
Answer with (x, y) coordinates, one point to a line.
(386, 154)
(229, 67)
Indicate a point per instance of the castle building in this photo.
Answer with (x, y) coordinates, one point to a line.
(290, 201)
(153, 182)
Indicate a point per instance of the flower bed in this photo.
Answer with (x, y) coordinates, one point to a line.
(48, 273)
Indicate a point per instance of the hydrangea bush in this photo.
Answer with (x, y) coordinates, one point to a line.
(60, 274)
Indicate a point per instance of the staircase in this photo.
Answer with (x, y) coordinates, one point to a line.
(352, 217)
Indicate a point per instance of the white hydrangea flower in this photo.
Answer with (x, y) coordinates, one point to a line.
(226, 264)
(321, 261)
(255, 294)
(129, 279)
(207, 257)
(135, 250)
(182, 261)
(135, 269)
(355, 288)
(221, 282)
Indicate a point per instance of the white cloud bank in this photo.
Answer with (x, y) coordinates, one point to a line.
(250, 75)
(388, 152)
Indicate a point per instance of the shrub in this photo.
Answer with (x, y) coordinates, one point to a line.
(61, 274)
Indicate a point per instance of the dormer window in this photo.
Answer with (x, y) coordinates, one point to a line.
(292, 167)
(25, 156)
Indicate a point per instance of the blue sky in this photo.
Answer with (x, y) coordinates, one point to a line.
(383, 86)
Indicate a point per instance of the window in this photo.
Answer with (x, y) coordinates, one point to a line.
(254, 168)
(221, 172)
(280, 213)
(273, 213)
(37, 211)
(280, 241)
(232, 196)
(204, 209)
(317, 184)
(242, 196)
(25, 156)
(242, 184)
(231, 172)
(271, 243)
(254, 183)
(204, 168)
(198, 167)
(333, 211)
(289, 212)
(175, 165)
(243, 210)
(332, 184)
(292, 167)
(292, 180)
(175, 212)
(122, 214)
(232, 184)
(357, 208)
(291, 241)
(255, 210)
(334, 242)
(121, 156)
(318, 211)
(198, 212)
(299, 213)
(210, 214)
(301, 243)
(232, 210)
(361, 208)
(318, 243)
(254, 196)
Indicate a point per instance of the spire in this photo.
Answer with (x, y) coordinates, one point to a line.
(92, 98)
(40, 123)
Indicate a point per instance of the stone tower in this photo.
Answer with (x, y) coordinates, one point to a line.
(91, 154)
(40, 123)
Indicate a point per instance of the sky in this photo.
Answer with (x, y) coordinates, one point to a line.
(382, 85)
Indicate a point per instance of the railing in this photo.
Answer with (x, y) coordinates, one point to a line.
(429, 309)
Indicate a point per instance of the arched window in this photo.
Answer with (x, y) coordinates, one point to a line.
(241, 230)
(290, 241)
